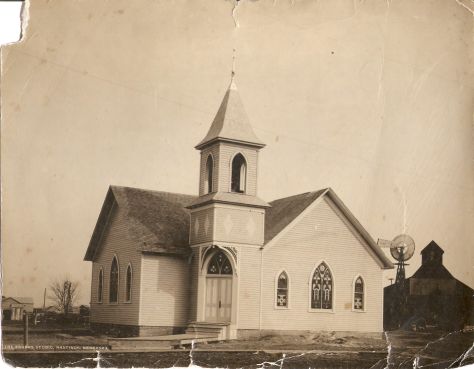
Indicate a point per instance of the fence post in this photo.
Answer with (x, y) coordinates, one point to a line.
(25, 329)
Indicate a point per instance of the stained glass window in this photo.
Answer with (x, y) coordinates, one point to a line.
(321, 288)
(219, 264)
(128, 284)
(100, 287)
(282, 290)
(239, 174)
(359, 294)
(114, 280)
(209, 170)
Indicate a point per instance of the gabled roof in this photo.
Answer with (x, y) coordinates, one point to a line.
(231, 123)
(20, 300)
(285, 211)
(158, 220)
(432, 246)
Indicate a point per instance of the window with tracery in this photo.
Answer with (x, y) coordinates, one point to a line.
(128, 284)
(209, 171)
(239, 174)
(100, 287)
(282, 290)
(219, 264)
(114, 281)
(359, 294)
(322, 288)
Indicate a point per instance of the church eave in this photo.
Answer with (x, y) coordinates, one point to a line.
(204, 144)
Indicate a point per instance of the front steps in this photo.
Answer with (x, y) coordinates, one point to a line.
(220, 330)
(196, 331)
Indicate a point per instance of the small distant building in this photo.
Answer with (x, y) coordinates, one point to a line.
(14, 307)
(431, 294)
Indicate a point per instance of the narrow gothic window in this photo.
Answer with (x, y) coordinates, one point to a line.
(128, 284)
(114, 280)
(322, 288)
(209, 172)
(100, 287)
(219, 264)
(282, 290)
(239, 174)
(359, 294)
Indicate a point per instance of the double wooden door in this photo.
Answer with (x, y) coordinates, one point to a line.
(218, 298)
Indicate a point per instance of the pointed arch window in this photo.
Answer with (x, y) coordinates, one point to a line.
(239, 174)
(219, 264)
(282, 290)
(359, 294)
(322, 288)
(114, 281)
(128, 284)
(208, 183)
(100, 286)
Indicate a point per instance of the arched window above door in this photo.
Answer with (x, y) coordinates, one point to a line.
(219, 264)
(239, 174)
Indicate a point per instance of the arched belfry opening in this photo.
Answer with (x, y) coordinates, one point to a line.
(239, 174)
(209, 175)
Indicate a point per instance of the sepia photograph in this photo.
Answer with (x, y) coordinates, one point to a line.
(238, 184)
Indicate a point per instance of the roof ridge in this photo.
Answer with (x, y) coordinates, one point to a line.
(152, 191)
(303, 193)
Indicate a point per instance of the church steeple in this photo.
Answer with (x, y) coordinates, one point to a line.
(231, 123)
(228, 208)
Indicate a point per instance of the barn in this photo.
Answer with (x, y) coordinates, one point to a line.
(227, 260)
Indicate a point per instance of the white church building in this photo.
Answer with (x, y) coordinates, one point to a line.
(164, 262)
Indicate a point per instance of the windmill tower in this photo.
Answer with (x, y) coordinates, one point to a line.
(402, 248)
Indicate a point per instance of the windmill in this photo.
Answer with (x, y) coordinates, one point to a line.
(402, 248)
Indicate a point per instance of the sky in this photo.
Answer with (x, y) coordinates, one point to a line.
(371, 98)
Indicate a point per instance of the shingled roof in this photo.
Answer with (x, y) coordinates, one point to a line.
(284, 211)
(159, 221)
(231, 122)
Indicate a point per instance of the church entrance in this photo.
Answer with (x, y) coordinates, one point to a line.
(218, 303)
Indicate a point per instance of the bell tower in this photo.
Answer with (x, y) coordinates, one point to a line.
(228, 210)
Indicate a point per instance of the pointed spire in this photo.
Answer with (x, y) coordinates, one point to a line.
(231, 122)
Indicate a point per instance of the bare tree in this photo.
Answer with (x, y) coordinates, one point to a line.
(64, 293)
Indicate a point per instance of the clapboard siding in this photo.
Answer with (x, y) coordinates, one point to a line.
(201, 227)
(227, 151)
(214, 150)
(322, 234)
(164, 291)
(116, 241)
(239, 225)
(249, 288)
(193, 283)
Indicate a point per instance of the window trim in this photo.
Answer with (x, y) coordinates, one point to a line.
(246, 173)
(333, 302)
(118, 280)
(288, 288)
(209, 189)
(129, 266)
(364, 309)
(100, 297)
